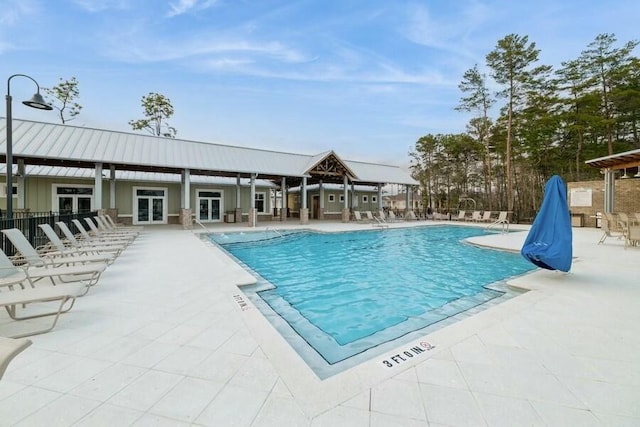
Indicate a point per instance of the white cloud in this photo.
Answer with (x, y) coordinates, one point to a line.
(13, 10)
(184, 6)
(94, 6)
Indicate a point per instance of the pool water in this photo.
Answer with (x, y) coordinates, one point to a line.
(347, 292)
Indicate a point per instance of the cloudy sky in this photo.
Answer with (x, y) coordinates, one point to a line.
(365, 78)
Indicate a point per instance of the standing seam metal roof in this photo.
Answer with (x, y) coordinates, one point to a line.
(41, 140)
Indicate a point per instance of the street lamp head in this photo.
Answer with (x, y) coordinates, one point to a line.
(37, 101)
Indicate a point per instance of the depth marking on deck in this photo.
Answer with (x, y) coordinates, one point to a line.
(239, 299)
(409, 353)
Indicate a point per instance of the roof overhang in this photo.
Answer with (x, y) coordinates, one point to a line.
(628, 159)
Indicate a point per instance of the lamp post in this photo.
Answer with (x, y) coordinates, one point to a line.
(36, 101)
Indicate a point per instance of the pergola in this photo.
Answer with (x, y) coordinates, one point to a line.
(609, 165)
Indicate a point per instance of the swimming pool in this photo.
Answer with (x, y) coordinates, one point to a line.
(345, 293)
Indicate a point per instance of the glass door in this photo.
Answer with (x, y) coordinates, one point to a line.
(150, 206)
(209, 205)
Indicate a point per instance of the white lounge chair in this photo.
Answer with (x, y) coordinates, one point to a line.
(107, 234)
(460, 216)
(119, 226)
(31, 256)
(486, 217)
(62, 251)
(358, 218)
(36, 268)
(14, 293)
(393, 217)
(609, 228)
(90, 245)
(9, 349)
(100, 238)
(105, 227)
(476, 216)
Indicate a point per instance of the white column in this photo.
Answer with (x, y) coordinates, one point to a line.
(380, 196)
(285, 200)
(609, 190)
(303, 193)
(20, 183)
(252, 201)
(407, 198)
(112, 187)
(97, 191)
(346, 192)
(253, 214)
(238, 205)
(186, 189)
(321, 194)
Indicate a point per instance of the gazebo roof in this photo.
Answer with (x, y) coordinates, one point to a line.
(627, 159)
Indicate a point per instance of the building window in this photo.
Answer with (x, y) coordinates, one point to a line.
(374, 199)
(261, 206)
(365, 199)
(68, 199)
(342, 198)
(332, 197)
(4, 190)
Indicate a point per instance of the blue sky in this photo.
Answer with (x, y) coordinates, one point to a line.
(365, 78)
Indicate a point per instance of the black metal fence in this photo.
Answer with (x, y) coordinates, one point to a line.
(28, 222)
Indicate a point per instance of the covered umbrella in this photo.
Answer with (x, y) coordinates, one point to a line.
(549, 243)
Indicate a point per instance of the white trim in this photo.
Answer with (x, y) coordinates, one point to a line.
(4, 191)
(74, 207)
(196, 210)
(264, 199)
(165, 199)
(332, 198)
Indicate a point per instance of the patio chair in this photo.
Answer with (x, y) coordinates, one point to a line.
(460, 216)
(63, 251)
(393, 217)
(625, 224)
(14, 293)
(10, 348)
(115, 225)
(608, 230)
(412, 216)
(37, 268)
(633, 238)
(100, 239)
(476, 216)
(32, 258)
(358, 218)
(486, 217)
(105, 226)
(107, 234)
(88, 245)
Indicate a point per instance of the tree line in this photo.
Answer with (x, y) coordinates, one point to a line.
(157, 108)
(547, 121)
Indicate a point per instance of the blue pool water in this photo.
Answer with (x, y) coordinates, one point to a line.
(344, 293)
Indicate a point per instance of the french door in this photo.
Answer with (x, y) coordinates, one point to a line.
(150, 205)
(209, 205)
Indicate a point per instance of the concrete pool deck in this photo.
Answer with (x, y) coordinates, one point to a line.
(167, 339)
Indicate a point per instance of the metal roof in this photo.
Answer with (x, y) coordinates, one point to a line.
(125, 175)
(71, 146)
(628, 159)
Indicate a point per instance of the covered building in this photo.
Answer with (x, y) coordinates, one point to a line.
(144, 179)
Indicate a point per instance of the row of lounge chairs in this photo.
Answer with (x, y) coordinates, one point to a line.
(45, 281)
(622, 226)
(389, 216)
(479, 216)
